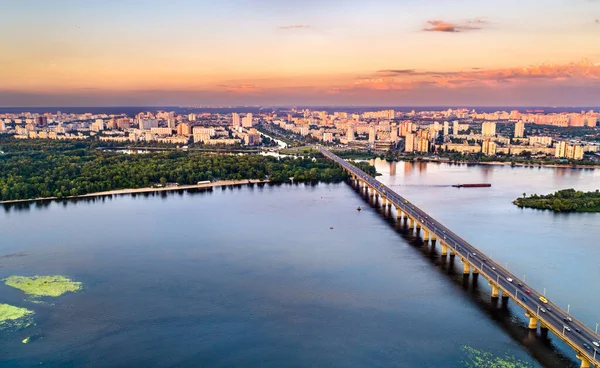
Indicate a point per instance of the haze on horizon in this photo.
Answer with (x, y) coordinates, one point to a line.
(313, 52)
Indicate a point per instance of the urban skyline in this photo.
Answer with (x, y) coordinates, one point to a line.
(265, 52)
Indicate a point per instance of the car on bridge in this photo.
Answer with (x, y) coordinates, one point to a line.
(543, 300)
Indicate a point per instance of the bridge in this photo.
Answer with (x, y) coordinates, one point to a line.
(538, 309)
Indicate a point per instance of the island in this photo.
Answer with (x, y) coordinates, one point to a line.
(566, 200)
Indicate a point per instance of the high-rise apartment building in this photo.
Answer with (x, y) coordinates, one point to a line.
(519, 129)
(409, 143)
(488, 147)
(488, 129)
(247, 121)
(235, 119)
(350, 134)
(372, 135)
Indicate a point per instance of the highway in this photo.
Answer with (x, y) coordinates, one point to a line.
(572, 331)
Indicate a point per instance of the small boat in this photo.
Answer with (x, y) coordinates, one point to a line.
(485, 185)
(331, 228)
(358, 208)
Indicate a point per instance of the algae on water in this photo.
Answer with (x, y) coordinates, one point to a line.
(484, 359)
(11, 316)
(43, 285)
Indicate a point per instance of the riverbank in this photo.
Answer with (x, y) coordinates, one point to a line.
(220, 183)
(513, 164)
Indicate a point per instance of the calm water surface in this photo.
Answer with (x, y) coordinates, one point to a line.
(254, 276)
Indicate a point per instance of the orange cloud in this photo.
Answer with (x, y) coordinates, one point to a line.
(443, 26)
(584, 72)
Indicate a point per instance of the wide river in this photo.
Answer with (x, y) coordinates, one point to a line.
(295, 276)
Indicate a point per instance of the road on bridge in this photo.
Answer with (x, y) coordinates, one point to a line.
(572, 331)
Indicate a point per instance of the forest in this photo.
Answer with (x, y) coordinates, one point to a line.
(37, 169)
(566, 200)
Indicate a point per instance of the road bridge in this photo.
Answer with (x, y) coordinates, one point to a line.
(540, 312)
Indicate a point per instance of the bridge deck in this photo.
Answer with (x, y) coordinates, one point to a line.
(553, 318)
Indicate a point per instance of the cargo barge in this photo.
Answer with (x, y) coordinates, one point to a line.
(472, 185)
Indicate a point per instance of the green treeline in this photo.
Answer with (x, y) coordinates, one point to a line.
(68, 169)
(566, 200)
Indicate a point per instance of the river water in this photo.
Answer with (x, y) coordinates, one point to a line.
(293, 275)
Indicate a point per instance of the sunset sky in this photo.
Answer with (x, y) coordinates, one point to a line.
(310, 52)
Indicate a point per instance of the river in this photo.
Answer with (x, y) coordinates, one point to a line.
(293, 275)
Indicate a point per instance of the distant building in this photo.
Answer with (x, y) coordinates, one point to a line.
(235, 120)
(247, 121)
(184, 129)
(519, 129)
(409, 144)
(41, 121)
(350, 134)
(488, 129)
(455, 127)
(252, 138)
(372, 135)
(488, 147)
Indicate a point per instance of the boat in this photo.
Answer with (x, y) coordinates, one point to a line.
(482, 185)
(358, 209)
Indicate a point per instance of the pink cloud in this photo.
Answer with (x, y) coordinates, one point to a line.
(450, 27)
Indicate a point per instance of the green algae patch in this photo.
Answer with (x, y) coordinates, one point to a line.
(44, 285)
(14, 317)
(483, 359)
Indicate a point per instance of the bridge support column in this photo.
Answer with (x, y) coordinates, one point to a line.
(411, 223)
(475, 271)
(418, 226)
(495, 290)
(433, 238)
(444, 249)
(425, 236)
(584, 362)
(466, 268)
(452, 253)
(533, 322)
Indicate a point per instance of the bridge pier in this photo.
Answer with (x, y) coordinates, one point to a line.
(425, 236)
(533, 322)
(584, 362)
(411, 223)
(466, 268)
(543, 329)
(444, 249)
(494, 290)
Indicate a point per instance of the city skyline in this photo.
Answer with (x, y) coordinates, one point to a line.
(266, 52)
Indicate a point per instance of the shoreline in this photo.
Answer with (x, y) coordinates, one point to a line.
(516, 164)
(220, 183)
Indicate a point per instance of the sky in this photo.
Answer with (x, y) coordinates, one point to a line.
(301, 52)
